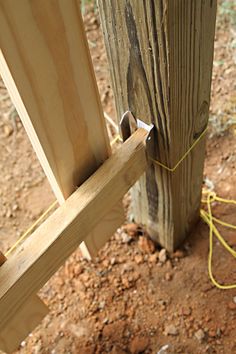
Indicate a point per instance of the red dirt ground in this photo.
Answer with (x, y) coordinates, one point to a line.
(130, 299)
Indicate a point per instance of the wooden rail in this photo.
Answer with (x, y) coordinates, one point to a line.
(50, 245)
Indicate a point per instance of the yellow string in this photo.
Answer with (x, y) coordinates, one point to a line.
(30, 229)
(209, 219)
(116, 138)
(170, 169)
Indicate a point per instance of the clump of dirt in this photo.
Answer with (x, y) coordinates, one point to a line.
(133, 297)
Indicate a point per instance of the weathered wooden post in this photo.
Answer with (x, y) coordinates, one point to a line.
(160, 54)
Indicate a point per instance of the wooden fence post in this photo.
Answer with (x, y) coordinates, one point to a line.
(160, 54)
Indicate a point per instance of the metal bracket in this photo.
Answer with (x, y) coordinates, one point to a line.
(129, 124)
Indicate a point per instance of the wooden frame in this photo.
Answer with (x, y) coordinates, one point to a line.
(47, 69)
(22, 275)
(46, 66)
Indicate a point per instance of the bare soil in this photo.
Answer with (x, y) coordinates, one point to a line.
(133, 297)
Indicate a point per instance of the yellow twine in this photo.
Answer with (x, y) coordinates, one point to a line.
(172, 169)
(206, 216)
(30, 229)
(117, 138)
(209, 219)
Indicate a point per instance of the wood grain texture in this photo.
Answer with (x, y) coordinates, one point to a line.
(160, 54)
(50, 245)
(23, 321)
(48, 72)
(103, 231)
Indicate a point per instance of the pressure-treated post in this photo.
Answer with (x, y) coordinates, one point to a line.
(160, 54)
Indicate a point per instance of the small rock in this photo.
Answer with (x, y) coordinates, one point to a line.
(8, 130)
(113, 261)
(138, 259)
(15, 207)
(23, 344)
(212, 333)
(9, 213)
(106, 320)
(138, 345)
(168, 276)
(171, 330)
(163, 255)
(153, 258)
(186, 311)
(178, 254)
(126, 283)
(101, 305)
(146, 245)
(131, 229)
(117, 350)
(234, 299)
(105, 263)
(163, 349)
(232, 305)
(125, 238)
(200, 335)
(127, 267)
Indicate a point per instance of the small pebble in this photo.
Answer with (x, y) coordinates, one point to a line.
(113, 261)
(131, 229)
(163, 255)
(200, 335)
(125, 238)
(232, 305)
(146, 245)
(178, 254)
(168, 276)
(138, 345)
(171, 330)
(138, 259)
(8, 130)
(153, 258)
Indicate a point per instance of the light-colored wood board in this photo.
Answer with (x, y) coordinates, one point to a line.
(160, 54)
(47, 69)
(23, 321)
(50, 245)
(103, 231)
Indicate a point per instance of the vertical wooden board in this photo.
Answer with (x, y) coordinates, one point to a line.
(103, 231)
(46, 66)
(24, 320)
(55, 91)
(160, 54)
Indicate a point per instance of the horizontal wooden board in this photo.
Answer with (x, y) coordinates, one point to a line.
(51, 244)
